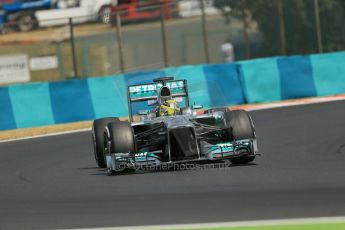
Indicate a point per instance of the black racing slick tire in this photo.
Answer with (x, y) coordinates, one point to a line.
(121, 137)
(242, 128)
(98, 128)
(242, 125)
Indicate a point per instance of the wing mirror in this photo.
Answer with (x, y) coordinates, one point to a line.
(197, 106)
(152, 102)
(143, 112)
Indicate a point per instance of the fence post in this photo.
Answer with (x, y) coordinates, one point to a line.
(204, 31)
(318, 26)
(61, 65)
(164, 38)
(245, 31)
(74, 55)
(119, 40)
(282, 26)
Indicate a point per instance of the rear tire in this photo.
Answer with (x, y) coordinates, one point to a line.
(26, 22)
(242, 128)
(98, 128)
(104, 15)
(4, 29)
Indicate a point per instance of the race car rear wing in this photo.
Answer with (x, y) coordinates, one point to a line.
(148, 92)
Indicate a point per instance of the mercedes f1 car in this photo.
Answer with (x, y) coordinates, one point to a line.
(171, 131)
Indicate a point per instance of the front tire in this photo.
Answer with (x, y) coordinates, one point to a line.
(121, 137)
(98, 128)
(242, 125)
(241, 128)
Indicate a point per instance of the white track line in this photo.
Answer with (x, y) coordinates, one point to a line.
(255, 107)
(47, 135)
(273, 105)
(256, 223)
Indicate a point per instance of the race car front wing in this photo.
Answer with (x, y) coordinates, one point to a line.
(119, 162)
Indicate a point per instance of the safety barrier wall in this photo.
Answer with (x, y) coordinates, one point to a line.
(281, 78)
(261, 80)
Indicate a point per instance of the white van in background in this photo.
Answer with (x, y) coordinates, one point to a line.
(80, 10)
(189, 8)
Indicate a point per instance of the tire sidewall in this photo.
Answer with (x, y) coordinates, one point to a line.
(121, 137)
(21, 19)
(242, 125)
(101, 14)
(98, 128)
(242, 128)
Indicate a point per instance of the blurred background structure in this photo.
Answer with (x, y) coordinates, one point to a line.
(51, 40)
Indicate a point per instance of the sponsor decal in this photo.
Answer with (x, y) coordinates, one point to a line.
(225, 145)
(141, 155)
(175, 84)
(44, 62)
(145, 156)
(222, 147)
(143, 88)
(14, 68)
(154, 87)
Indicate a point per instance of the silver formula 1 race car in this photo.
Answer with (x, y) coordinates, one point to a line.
(171, 131)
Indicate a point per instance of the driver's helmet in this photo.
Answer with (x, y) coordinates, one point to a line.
(169, 108)
(167, 104)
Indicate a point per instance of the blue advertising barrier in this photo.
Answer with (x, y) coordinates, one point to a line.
(31, 105)
(280, 78)
(7, 120)
(329, 73)
(261, 80)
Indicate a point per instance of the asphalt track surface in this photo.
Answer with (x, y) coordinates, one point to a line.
(52, 182)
